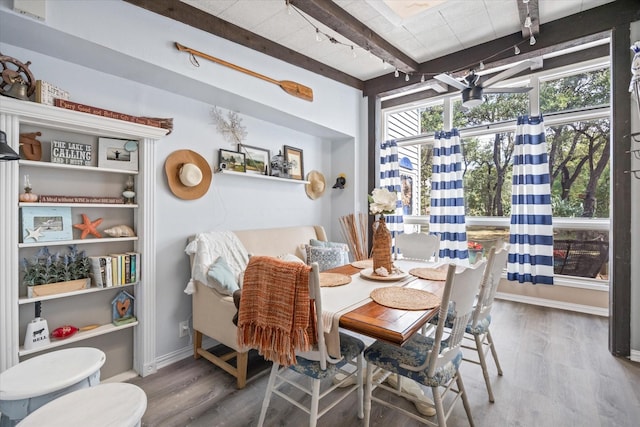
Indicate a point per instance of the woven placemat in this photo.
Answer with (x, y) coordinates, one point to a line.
(328, 280)
(365, 263)
(430, 273)
(405, 298)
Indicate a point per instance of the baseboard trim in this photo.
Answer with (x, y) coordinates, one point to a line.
(588, 309)
(182, 353)
(635, 355)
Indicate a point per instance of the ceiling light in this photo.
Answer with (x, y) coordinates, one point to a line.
(396, 73)
(6, 152)
(532, 40)
(406, 77)
(527, 21)
(472, 97)
(318, 39)
(422, 79)
(516, 50)
(481, 66)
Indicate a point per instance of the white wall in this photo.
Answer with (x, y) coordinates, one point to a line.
(116, 56)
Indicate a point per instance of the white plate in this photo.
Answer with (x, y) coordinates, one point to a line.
(368, 273)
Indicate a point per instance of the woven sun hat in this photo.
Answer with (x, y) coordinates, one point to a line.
(188, 173)
(316, 185)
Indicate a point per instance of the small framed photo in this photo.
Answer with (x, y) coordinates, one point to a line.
(294, 157)
(257, 159)
(118, 154)
(46, 224)
(232, 160)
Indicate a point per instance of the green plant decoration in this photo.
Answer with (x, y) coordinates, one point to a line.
(46, 268)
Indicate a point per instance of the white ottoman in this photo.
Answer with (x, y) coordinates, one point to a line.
(105, 405)
(28, 385)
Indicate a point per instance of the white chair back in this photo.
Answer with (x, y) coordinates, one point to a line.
(496, 262)
(418, 246)
(457, 300)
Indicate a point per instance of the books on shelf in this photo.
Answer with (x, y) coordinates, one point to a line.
(115, 269)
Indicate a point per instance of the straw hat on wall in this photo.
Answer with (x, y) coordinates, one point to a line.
(316, 185)
(188, 174)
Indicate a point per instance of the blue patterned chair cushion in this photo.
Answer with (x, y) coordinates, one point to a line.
(326, 258)
(481, 328)
(350, 347)
(413, 353)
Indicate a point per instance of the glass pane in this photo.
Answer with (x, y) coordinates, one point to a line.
(581, 253)
(432, 118)
(582, 90)
(497, 107)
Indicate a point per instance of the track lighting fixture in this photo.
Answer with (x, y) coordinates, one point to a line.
(396, 73)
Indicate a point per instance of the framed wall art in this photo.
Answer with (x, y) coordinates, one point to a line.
(257, 159)
(232, 160)
(118, 154)
(293, 156)
(46, 224)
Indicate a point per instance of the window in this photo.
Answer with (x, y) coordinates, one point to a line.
(574, 102)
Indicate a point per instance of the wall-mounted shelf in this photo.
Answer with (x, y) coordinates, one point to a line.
(80, 205)
(41, 164)
(26, 300)
(100, 330)
(77, 242)
(259, 176)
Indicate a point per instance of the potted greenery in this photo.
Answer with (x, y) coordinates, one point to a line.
(47, 274)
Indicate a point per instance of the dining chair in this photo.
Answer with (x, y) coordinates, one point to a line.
(432, 360)
(477, 331)
(418, 246)
(318, 366)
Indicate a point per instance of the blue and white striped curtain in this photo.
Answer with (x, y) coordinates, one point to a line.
(390, 179)
(531, 231)
(447, 198)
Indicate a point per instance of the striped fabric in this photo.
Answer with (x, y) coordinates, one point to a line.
(531, 231)
(390, 179)
(447, 218)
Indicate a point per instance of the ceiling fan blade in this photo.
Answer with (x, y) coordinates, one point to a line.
(446, 78)
(511, 72)
(523, 89)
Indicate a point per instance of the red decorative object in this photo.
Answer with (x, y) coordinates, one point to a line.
(88, 227)
(474, 245)
(64, 332)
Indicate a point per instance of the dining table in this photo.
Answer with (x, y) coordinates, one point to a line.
(350, 306)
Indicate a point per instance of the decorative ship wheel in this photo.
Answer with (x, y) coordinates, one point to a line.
(17, 80)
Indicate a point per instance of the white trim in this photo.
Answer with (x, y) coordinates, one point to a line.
(182, 353)
(635, 355)
(543, 302)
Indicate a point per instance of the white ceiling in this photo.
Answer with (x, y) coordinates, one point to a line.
(437, 29)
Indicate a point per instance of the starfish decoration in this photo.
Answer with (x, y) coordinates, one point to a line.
(34, 234)
(88, 227)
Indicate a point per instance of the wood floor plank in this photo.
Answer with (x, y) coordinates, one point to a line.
(557, 372)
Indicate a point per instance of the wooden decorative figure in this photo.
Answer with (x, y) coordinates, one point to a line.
(122, 309)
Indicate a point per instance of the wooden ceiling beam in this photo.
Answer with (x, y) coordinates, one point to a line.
(194, 17)
(336, 18)
(530, 9)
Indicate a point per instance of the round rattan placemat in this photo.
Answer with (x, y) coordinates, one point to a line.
(405, 298)
(430, 273)
(329, 280)
(365, 263)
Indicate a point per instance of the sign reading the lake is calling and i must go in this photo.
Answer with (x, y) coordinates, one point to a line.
(71, 153)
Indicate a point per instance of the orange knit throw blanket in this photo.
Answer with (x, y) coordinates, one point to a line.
(274, 315)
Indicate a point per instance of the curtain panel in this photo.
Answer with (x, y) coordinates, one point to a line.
(447, 218)
(531, 229)
(390, 179)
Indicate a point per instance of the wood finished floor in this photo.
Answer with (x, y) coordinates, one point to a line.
(557, 372)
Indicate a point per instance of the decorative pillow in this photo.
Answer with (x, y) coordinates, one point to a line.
(221, 277)
(325, 257)
(323, 244)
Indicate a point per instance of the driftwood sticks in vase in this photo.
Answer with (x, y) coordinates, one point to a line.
(292, 88)
(354, 230)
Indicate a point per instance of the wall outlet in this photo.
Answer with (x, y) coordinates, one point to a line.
(183, 329)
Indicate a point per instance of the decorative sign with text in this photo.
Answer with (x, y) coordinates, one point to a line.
(71, 153)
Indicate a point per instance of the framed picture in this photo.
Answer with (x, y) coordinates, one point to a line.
(257, 159)
(118, 154)
(294, 157)
(232, 160)
(46, 224)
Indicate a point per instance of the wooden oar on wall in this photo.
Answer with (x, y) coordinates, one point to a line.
(292, 88)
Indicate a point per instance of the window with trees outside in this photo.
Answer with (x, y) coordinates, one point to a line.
(575, 104)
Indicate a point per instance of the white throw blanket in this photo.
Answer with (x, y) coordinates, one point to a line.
(207, 247)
